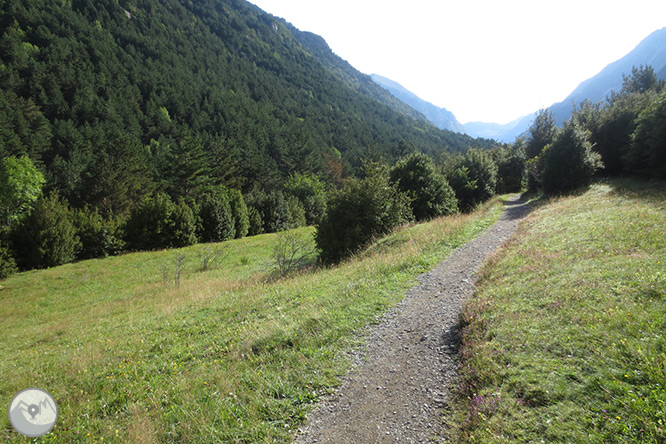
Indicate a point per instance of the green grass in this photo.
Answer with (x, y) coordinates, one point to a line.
(565, 339)
(232, 354)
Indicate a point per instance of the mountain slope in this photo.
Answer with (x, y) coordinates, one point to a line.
(651, 51)
(502, 132)
(115, 98)
(353, 78)
(445, 119)
(440, 117)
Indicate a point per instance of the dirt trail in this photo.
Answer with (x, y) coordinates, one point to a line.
(397, 387)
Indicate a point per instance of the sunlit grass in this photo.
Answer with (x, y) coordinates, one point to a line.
(232, 354)
(565, 338)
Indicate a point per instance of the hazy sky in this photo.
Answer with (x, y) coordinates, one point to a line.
(484, 60)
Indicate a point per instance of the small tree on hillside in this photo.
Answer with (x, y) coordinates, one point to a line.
(270, 209)
(310, 192)
(46, 237)
(647, 154)
(542, 132)
(158, 222)
(510, 163)
(216, 218)
(239, 212)
(642, 79)
(569, 162)
(361, 211)
(430, 193)
(473, 177)
(100, 237)
(20, 185)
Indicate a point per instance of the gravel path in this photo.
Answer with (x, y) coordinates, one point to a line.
(397, 387)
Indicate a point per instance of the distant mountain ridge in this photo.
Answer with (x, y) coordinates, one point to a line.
(440, 117)
(650, 51)
(349, 75)
(446, 120)
(506, 132)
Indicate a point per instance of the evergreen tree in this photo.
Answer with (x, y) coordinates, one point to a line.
(46, 237)
(217, 220)
(311, 194)
(359, 212)
(430, 193)
(542, 132)
(473, 177)
(511, 172)
(569, 162)
(158, 222)
(99, 237)
(642, 79)
(647, 154)
(271, 209)
(240, 213)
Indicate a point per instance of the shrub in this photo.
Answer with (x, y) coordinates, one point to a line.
(239, 213)
(291, 251)
(647, 153)
(473, 177)
(361, 211)
(7, 262)
(569, 162)
(99, 237)
(158, 222)
(430, 193)
(210, 256)
(273, 210)
(217, 223)
(46, 237)
(311, 194)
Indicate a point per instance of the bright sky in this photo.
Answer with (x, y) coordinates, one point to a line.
(484, 60)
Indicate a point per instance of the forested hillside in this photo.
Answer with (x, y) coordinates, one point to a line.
(142, 124)
(112, 99)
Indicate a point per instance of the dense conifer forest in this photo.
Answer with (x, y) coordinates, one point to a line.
(118, 102)
(114, 99)
(143, 124)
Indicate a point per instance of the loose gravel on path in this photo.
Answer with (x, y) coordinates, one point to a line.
(398, 387)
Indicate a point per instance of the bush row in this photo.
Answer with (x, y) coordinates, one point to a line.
(413, 189)
(626, 134)
(48, 232)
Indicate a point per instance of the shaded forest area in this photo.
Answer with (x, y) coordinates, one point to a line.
(112, 100)
(123, 105)
(623, 135)
(133, 125)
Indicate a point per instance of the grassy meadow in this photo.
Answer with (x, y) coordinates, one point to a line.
(132, 352)
(565, 339)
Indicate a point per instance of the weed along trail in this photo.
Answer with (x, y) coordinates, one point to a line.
(398, 386)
